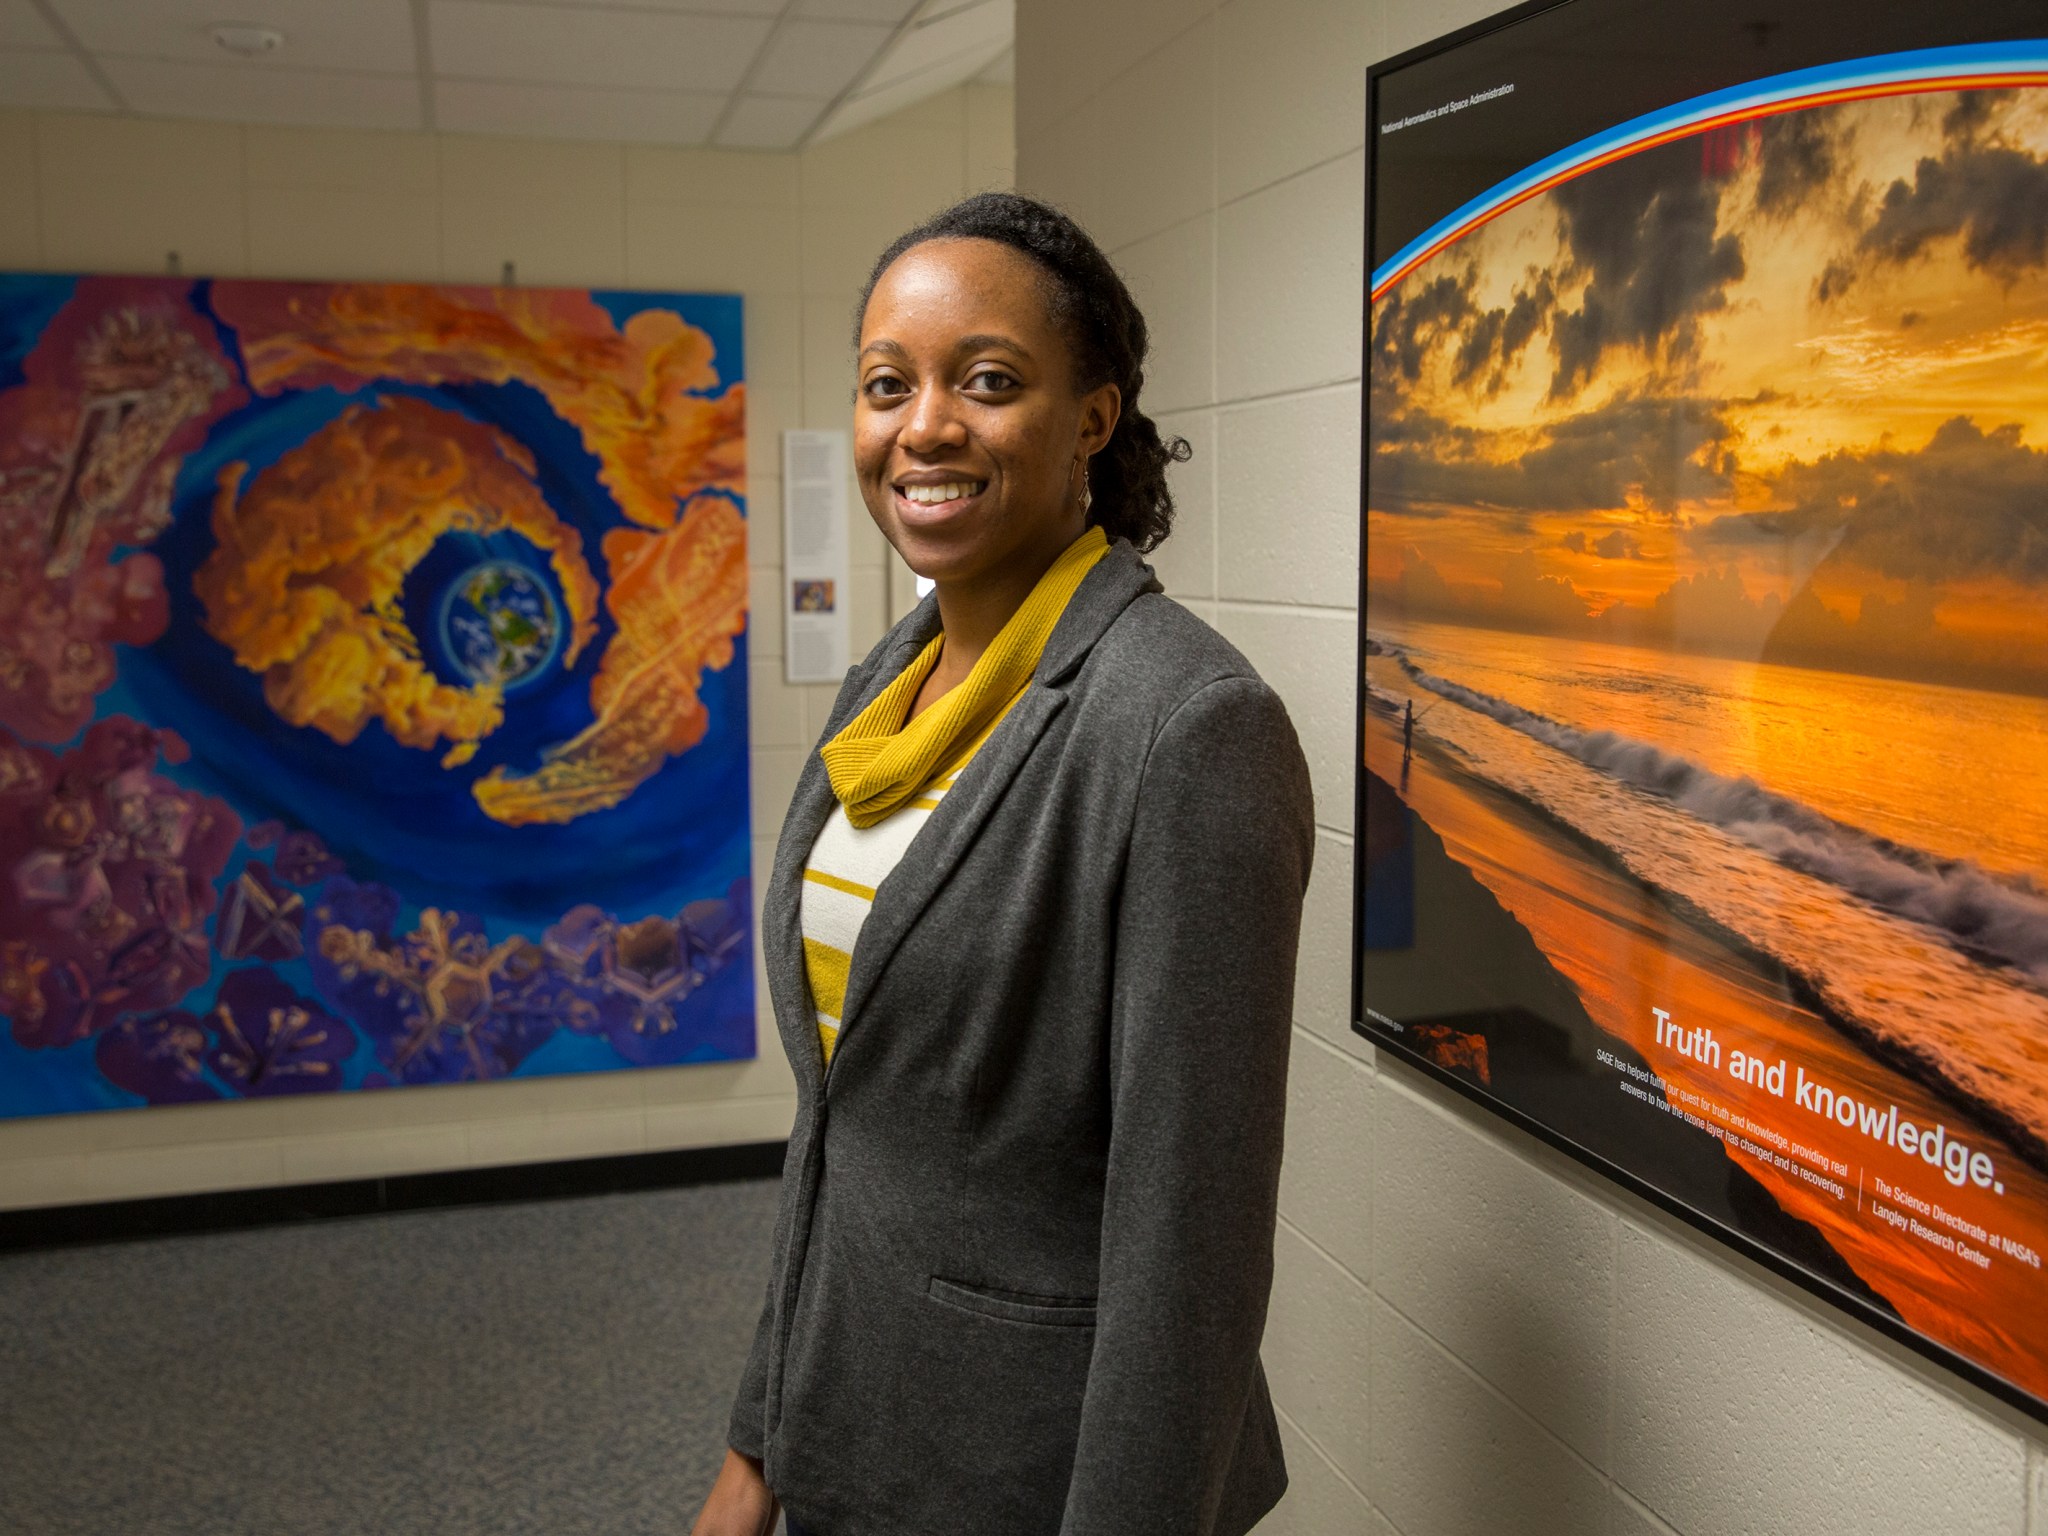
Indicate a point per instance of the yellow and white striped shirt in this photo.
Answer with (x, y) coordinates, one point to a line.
(847, 866)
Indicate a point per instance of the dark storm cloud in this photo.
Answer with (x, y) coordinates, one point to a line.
(1496, 338)
(1412, 322)
(1798, 156)
(1971, 114)
(1618, 546)
(1835, 279)
(1645, 233)
(1483, 343)
(1992, 195)
(1971, 503)
(1980, 191)
(1660, 448)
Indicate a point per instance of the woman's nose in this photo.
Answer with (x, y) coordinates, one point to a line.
(933, 423)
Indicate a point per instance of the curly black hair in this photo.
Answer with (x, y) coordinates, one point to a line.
(1127, 478)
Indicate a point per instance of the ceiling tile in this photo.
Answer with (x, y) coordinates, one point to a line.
(889, 11)
(576, 112)
(263, 93)
(22, 27)
(815, 58)
(370, 35)
(878, 101)
(769, 8)
(987, 28)
(49, 80)
(767, 122)
(570, 45)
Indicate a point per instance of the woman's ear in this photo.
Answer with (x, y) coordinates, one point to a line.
(1100, 408)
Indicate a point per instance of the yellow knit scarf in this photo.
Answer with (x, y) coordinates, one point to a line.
(877, 762)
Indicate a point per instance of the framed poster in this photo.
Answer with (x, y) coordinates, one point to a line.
(1704, 673)
(373, 704)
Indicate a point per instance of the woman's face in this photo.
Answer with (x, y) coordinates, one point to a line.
(969, 435)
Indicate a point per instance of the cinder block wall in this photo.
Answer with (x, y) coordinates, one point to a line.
(1469, 1334)
(794, 233)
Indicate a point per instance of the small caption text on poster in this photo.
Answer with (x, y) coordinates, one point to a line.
(1447, 108)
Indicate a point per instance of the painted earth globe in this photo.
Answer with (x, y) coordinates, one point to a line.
(500, 624)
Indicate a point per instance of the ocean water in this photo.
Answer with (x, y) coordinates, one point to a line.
(1885, 840)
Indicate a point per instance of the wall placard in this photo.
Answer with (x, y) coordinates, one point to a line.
(816, 467)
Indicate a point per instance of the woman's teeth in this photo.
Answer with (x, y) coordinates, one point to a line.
(933, 495)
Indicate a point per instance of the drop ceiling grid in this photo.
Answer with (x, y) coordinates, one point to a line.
(741, 73)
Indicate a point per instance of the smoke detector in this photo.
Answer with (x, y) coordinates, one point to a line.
(248, 42)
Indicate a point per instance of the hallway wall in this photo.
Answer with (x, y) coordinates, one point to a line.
(794, 233)
(1469, 1333)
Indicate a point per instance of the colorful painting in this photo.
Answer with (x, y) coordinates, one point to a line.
(1706, 665)
(373, 704)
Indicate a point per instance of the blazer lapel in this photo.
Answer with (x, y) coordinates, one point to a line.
(782, 937)
(782, 918)
(939, 845)
(945, 839)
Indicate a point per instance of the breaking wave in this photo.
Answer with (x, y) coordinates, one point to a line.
(2006, 920)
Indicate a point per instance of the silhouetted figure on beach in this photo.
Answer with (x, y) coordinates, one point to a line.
(1408, 732)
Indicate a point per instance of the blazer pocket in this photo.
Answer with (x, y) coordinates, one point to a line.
(1046, 1311)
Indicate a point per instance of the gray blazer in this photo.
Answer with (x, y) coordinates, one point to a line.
(1025, 1239)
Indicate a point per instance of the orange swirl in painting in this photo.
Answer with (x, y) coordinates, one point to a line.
(678, 598)
(628, 390)
(305, 579)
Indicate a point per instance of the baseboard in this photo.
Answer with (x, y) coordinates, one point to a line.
(173, 1215)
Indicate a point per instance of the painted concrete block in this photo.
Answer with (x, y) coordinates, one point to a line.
(1326, 1182)
(1508, 1268)
(1735, 1411)
(1318, 1502)
(1290, 275)
(1186, 562)
(712, 247)
(1317, 1351)
(1452, 1457)
(1161, 115)
(1322, 971)
(1288, 499)
(343, 159)
(1172, 276)
(1290, 87)
(21, 232)
(119, 194)
(1309, 657)
(344, 234)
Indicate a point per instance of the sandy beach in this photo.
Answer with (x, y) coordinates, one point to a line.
(1952, 1262)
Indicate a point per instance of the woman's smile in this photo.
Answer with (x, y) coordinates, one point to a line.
(925, 501)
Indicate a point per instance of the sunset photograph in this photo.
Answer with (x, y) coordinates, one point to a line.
(1707, 632)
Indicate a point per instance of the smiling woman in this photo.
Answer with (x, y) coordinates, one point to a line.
(1030, 938)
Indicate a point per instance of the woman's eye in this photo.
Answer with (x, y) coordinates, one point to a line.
(885, 387)
(990, 381)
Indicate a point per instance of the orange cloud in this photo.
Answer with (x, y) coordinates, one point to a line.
(628, 392)
(304, 582)
(679, 598)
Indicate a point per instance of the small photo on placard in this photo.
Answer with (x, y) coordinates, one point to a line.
(813, 597)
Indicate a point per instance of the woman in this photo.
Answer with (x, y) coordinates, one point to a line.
(1030, 940)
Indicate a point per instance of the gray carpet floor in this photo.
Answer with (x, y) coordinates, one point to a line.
(561, 1368)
